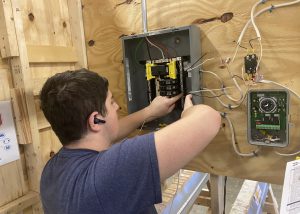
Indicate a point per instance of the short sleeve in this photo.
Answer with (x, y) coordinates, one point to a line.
(127, 176)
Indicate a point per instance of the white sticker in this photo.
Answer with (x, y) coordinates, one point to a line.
(9, 149)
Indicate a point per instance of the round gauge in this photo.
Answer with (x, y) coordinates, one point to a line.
(267, 105)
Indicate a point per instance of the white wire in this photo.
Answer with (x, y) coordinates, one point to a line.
(216, 75)
(276, 83)
(270, 8)
(252, 18)
(260, 56)
(239, 89)
(208, 90)
(254, 153)
(189, 69)
(291, 154)
(235, 53)
(229, 106)
(224, 88)
(237, 86)
(162, 53)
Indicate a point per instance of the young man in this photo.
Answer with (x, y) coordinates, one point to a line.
(90, 174)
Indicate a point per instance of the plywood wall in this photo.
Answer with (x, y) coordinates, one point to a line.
(13, 183)
(48, 39)
(106, 21)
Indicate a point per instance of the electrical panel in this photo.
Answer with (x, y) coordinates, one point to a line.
(158, 63)
(268, 112)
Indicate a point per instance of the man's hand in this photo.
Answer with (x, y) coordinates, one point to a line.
(161, 106)
(187, 103)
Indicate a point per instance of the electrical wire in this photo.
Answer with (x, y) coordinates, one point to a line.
(208, 90)
(192, 68)
(276, 83)
(253, 16)
(236, 85)
(216, 75)
(152, 44)
(286, 155)
(235, 148)
(197, 61)
(229, 106)
(222, 85)
(270, 8)
(198, 95)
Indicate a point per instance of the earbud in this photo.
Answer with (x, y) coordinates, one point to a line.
(98, 121)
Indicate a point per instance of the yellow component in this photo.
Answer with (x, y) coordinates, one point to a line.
(148, 71)
(172, 69)
(298, 158)
(162, 125)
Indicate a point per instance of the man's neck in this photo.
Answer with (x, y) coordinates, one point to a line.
(90, 142)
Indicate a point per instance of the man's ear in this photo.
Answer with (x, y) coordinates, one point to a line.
(95, 121)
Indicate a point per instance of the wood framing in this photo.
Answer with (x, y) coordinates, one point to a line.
(76, 22)
(21, 203)
(8, 41)
(49, 39)
(23, 81)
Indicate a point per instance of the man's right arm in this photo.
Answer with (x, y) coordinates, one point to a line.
(180, 142)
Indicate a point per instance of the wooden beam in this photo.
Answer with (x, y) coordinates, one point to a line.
(20, 112)
(8, 40)
(77, 31)
(49, 54)
(23, 80)
(21, 203)
(217, 193)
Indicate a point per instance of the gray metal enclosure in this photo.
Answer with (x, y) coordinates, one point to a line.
(181, 42)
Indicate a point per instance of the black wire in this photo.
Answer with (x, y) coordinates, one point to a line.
(242, 47)
(237, 76)
(197, 61)
(225, 182)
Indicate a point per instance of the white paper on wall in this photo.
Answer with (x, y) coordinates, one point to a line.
(9, 149)
(290, 201)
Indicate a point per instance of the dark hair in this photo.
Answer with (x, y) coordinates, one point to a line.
(67, 100)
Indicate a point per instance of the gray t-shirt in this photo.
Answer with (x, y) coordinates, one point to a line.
(123, 179)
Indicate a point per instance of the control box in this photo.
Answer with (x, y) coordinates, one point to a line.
(268, 112)
(159, 63)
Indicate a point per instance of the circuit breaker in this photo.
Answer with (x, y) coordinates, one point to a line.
(160, 63)
(268, 112)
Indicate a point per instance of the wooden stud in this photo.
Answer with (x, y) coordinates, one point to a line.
(217, 193)
(23, 81)
(8, 40)
(20, 204)
(20, 112)
(77, 30)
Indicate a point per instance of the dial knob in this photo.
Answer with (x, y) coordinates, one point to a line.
(267, 105)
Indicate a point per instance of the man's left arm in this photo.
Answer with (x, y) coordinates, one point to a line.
(159, 107)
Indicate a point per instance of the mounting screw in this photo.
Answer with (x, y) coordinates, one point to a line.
(177, 40)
